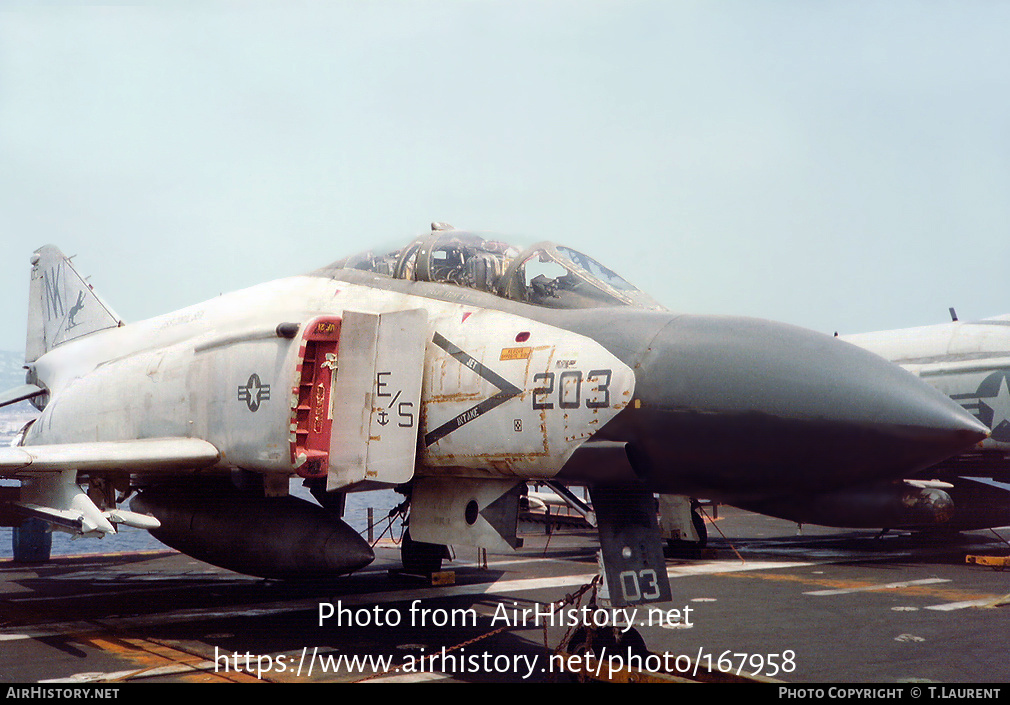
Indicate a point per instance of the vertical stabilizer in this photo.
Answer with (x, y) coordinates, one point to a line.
(61, 305)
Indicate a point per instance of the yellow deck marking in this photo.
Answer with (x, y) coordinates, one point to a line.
(148, 655)
(951, 595)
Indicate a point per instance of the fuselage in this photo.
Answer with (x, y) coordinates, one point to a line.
(721, 407)
(189, 374)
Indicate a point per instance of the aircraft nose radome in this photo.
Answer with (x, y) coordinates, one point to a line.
(752, 406)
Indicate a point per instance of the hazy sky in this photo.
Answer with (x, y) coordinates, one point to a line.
(838, 165)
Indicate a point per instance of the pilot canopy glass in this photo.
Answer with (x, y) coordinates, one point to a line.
(546, 274)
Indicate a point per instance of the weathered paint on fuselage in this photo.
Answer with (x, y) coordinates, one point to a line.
(722, 407)
(190, 374)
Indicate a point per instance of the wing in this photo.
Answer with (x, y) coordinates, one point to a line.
(25, 391)
(147, 455)
(48, 474)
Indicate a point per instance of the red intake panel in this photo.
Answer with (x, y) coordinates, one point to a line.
(311, 413)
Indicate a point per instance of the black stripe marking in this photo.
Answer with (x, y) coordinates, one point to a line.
(506, 390)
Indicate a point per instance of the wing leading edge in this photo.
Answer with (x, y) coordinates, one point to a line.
(146, 455)
(49, 487)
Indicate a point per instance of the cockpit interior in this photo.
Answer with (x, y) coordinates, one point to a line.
(545, 274)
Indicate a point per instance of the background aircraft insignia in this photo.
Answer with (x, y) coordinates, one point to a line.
(992, 404)
(970, 362)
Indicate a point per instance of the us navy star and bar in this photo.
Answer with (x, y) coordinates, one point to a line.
(990, 404)
(254, 392)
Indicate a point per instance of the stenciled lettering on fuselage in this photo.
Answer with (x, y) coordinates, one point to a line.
(404, 410)
(254, 392)
(991, 404)
(506, 390)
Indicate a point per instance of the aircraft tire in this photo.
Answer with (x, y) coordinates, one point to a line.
(690, 549)
(604, 638)
(420, 557)
(584, 641)
(700, 528)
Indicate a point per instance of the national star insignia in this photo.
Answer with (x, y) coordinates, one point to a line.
(999, 405)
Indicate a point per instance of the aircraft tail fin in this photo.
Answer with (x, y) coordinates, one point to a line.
(61, 305)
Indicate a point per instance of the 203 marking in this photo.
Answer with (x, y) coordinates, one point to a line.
(569, 387)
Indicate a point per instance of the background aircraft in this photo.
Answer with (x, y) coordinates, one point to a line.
(970, 362)
(454, 369)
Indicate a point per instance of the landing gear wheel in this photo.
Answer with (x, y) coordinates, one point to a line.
(584, 641)
(604, 640)
(420, 557)
(700, 528)
(631, 641)
(690, 549)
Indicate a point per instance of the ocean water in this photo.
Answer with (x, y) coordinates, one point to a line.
(130, 540)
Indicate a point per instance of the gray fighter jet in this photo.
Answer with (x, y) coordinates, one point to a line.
(455, 369)
(970, 362)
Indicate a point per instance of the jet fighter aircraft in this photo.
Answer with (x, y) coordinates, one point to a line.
(455, 369)
(970, 362)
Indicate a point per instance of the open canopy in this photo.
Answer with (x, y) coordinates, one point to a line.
(546, 274)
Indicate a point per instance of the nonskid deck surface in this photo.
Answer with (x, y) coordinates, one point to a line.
(828, 605)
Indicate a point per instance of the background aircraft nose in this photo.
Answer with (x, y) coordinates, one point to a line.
(752, 407)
